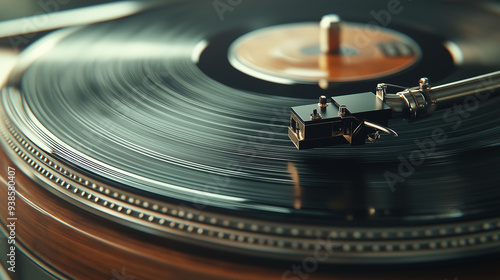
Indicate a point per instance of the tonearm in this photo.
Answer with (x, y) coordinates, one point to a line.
(354, 118)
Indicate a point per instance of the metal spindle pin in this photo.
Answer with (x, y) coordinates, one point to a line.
(315, 115)
(329, 34)
(322, 103)
(423, 84)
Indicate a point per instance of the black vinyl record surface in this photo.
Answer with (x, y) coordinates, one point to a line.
(149, 105)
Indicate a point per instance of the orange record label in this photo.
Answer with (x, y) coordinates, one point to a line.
(290, 54)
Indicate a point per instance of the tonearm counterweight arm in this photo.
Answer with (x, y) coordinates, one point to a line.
(356, 117)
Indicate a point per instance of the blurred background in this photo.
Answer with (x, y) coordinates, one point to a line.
(10, 9)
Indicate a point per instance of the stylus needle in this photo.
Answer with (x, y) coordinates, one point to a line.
(73, 17)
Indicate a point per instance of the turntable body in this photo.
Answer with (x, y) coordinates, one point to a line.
(147, 147)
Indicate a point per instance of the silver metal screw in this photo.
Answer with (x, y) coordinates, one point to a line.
(315, 115)
(322, 103)
(329, 36)
(342, 111)
(423, 84)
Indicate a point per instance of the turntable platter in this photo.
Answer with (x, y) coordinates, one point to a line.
(131, 112)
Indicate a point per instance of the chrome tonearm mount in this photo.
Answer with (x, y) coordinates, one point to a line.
(355, 118)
